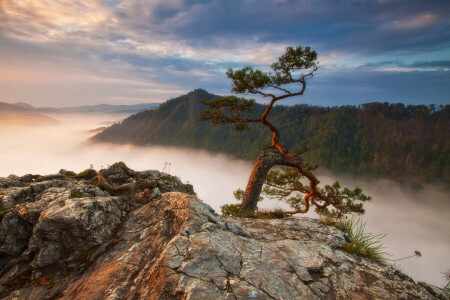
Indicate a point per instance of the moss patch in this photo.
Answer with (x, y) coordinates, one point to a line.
(75, 194)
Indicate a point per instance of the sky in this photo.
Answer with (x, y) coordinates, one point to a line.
(83, 52)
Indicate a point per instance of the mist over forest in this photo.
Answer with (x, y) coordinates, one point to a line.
(412, 219)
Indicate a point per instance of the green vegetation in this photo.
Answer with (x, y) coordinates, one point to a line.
(377, 139)
(166, 178)
(67, 173)
(87, 174)
(189, 189)
(230, 210)
(361, 242)
(75, 194)
(286, 184)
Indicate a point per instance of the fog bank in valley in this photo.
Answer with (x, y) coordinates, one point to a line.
(412, 220)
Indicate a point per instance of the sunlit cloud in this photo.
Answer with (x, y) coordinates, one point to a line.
(49, 20)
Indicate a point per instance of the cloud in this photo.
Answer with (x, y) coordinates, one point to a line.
(396, 66)
(419, 21)
(180, 45)
(48, 19)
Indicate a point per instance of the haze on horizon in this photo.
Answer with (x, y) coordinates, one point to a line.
(84, 52)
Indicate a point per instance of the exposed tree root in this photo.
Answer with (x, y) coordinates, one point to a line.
(131, 187)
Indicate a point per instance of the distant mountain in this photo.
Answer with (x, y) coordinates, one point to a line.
(379, 139)
(12, 107)
(21, 106)
(24, 105)
(113, 108)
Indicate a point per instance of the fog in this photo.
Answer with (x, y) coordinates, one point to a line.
(412, 220)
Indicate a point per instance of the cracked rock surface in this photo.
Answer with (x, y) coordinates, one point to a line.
(100, 246)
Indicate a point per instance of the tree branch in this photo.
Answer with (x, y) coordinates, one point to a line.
(281, 89)
(261, 93)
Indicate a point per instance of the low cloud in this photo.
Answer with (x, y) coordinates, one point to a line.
(416, 220)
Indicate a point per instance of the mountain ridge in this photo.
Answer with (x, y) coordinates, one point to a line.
(25, 107)
(376, 139)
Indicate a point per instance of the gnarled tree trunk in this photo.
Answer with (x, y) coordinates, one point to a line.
(262, 166)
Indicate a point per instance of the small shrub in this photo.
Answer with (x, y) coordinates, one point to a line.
(189, 189)
(87, 174)
(71, 174)
(67, 173)
(230, 210)
(75, 194)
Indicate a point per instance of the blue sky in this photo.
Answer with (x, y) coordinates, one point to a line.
(66, 52)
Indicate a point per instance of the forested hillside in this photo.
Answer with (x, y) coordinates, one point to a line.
(378, 139)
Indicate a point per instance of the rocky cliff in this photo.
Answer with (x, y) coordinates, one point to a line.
(63, 237)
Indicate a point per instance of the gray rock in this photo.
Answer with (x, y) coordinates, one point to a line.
(97, 246)
(178, 248)
(14, 235)
(80, 223)
(118, 173)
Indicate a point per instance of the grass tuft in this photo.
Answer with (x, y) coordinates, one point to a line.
(361, 243)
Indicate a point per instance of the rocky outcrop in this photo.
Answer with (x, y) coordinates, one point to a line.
(72, 240)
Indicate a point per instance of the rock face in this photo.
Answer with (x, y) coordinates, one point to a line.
(67, 239)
